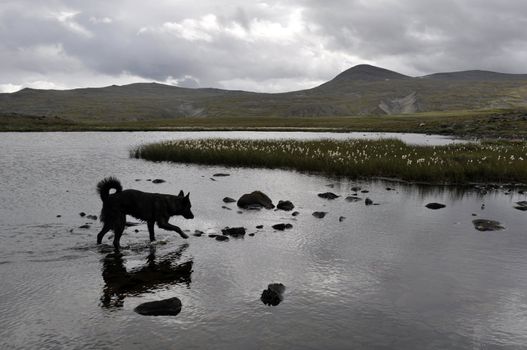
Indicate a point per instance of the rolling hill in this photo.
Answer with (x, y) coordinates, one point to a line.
(360, 90)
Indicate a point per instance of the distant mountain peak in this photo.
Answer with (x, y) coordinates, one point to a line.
(366, 72)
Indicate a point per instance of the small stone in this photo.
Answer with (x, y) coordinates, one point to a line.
(226, 208)
(282, 227)
(260, 227)
(256, 199)
(251, 234)
(353, 199)
(435, 206)
(85, 226)
(328, 195)
(368, 201)
(82, 214)
(167, 307)
(342, 218)
(221, 175)
(212, 179)
(295, 213)
(285, 205)
(59, 216)
(91, 217)
(229, 200)
(355, 189)
(222, 238)
(158, 181)
(234, 231)
(487, 225)
(319, 214)
(136, 230)
(273, 295)
(364, 191)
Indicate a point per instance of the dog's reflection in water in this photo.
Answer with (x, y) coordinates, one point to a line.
(154, 274)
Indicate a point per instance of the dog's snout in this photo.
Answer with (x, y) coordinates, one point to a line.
(189, 215)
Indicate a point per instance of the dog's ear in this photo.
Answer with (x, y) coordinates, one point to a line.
(188, 195)
(181, 194)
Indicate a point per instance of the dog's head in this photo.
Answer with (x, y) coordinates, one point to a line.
(182, 205)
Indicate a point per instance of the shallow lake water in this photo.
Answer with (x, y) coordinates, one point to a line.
(390, 276)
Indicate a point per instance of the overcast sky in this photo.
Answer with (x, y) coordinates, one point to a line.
(251, 45)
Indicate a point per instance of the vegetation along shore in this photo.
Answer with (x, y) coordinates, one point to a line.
(485, 162)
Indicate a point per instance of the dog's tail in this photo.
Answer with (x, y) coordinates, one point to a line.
(104, 186)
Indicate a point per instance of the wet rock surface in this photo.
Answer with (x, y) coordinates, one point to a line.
(233, 231)
(328, 195)
(285, 205)
(487, 225)
(256, 199)
(435, 206)
(319, 214)
(273, 295)
(166, 307)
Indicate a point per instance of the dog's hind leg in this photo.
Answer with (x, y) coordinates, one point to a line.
(107, 227)
(118, 231)
(150, 225)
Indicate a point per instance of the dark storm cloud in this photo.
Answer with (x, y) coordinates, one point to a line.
(263, 45)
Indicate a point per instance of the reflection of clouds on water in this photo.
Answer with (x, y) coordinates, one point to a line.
(157, 272)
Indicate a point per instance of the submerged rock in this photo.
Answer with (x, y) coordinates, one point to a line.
(226, 208)
(255, 199)
(158, 181)
(353, 199)
(273, 295)
(368, 201)
(435, 206)
(229, 200)
(487, 225)
(355, 189)
(328, 195)
(342, 218)
(319, 214)
(522, 205)
(221, 175)
(91, 217)
(222, 238)
(285, 205)
(166, 307)
(233, 231)
(295, 213)
(259, 226)
(85, 226)
(82, 214)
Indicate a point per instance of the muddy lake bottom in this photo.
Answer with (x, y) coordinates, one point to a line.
(390, 276)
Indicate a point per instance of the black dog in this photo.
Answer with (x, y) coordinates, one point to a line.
(150, 207)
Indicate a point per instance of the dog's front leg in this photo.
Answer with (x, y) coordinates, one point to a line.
(150, 225)
(165, 225)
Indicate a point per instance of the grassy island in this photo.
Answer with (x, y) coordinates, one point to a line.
(503, 162)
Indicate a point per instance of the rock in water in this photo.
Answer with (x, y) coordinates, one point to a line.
(353, 198)
(435, 206)
(229, 200)
(282, 227)
(255, 199)
(487, 225)
(221, 175)
(158, 181)
(233, 231)
(222, 238)
(368, 201)
(166, 307)
(273, 295)
(328, 195)
(319, 214)
(285, 205)
(522, 205)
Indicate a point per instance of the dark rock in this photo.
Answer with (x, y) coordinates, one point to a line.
(285, 205)
(273, 295)
(91, 217)
(59, 216)
(213, 235)
(198, 233)
(522, 205)
(137, 179)
(226, 208)
(342, 218)
(167, 307)
(221, 175)
(319, 214)
(435, 206)
(368, 201)
(82, 214)
(233, 231)
(158, 181)
(229, 200)
(474, 214)
(222, 238)
(85, 226)
(328, 195)
(259, 227)
(353, 198)
(212, 179)
(355, 189)
(282, 227)
(487, 225)
(255, 199)
(251, 234)
(295, 213)
(364, 191)
(136, 230)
